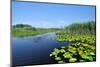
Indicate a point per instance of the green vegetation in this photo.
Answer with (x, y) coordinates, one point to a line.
(82, 43)
(81, 28)
(81, 38)
(27, 30)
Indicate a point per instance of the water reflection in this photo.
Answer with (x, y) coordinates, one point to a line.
(34, 50)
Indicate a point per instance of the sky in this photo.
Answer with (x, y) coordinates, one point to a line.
(43, 15)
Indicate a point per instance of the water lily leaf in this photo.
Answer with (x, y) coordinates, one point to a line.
(67, 55)
(72, 60)
(90, 58)
(83, 41)
(60, 62)
(54, 53)
(85, 45)
(87, 57)
(92, 53)
(78, 44)
(50, 55)
(56, 50)
(81, 60)
(72, 49)
(93, 47)
(81, 48)
(81, 52)
(62, 51)
(57, 58)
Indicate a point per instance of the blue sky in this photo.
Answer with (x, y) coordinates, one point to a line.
(44, 15)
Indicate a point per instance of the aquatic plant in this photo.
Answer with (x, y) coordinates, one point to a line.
(81, 48)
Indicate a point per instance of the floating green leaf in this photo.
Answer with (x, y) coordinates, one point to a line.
(67, 55)
(57, 58)
(62, 51)
(60, 62)
(72, 60)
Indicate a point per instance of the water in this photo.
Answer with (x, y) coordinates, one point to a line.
(34, 50)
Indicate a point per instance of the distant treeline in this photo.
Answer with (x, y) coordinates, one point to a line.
(28, 30)
(74, 28)
(29, 27)
(23, 26)
(81, 28)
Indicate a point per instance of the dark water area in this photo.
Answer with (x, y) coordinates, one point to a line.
(34, 50)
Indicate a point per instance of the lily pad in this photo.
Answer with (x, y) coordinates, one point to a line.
(67, 55)
(57, 58)
(60, 62)
(72, 60)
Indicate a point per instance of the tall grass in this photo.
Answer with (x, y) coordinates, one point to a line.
(81, 28)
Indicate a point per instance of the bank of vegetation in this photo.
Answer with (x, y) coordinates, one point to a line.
(27, 30)
(82, 43)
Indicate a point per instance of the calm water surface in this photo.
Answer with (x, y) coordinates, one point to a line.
(34, 50)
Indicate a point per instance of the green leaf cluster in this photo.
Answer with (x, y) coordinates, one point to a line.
(81, 48)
